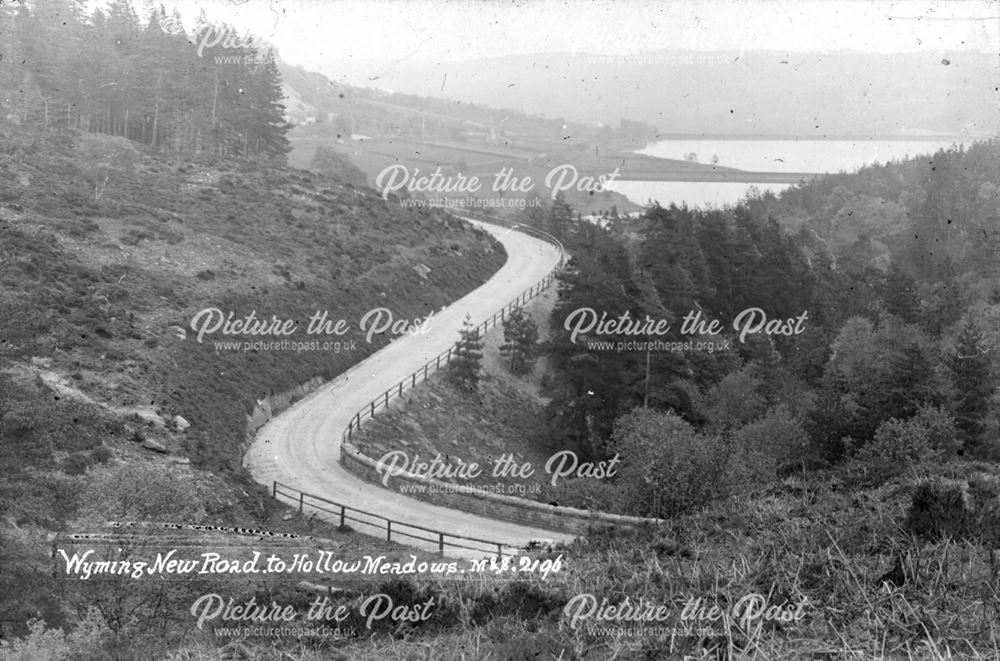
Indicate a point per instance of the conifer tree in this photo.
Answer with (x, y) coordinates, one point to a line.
(520, 334)
(560, 216)
(269, 121)
(901, 296)
(464, 368)
(971, 377)
(112, 73)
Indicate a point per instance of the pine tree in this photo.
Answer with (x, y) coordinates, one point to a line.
(560, 216)
(971, 376)
(901, 295)
(153, 59)
(125, 32)
(270, 124)
(534, 214)
(145, 81)
(51, 36)
(520, 334)
(464, 368)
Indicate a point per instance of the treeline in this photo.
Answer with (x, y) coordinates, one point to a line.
(149, 81)
(668, 263)
(934, 217)
(896, 267)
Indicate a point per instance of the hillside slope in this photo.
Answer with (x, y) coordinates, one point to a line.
(108, 252)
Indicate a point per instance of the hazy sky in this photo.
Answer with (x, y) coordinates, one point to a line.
(316, 33)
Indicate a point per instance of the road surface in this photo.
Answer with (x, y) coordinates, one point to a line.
(301, 446)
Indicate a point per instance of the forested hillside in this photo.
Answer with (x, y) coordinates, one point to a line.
(142, 78)
(842, 459)
(896, 267)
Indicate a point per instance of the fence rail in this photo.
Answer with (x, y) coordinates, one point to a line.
(434, 365)
(342, 514)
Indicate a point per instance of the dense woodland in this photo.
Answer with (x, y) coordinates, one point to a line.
(141, 77)
(897, 266)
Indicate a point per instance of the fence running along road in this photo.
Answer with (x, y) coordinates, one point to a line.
(433, 366)
(444, 358)
(342, 514)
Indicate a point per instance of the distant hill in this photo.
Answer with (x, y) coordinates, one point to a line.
(726, 93)
(344, 127)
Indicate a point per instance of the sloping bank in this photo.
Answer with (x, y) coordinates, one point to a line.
(478, 501)
(484, 503)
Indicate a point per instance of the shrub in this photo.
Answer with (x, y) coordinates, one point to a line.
(518, 599)
(40, 645)
(930, 435)
(956, 509)
(515, 641)
(940, 508)
(101, 454)
(76, 463)
(43, 644)
(667, 468)
(735, 401)
(773, 443)
(141, 492)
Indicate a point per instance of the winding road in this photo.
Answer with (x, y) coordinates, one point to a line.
(301, 446)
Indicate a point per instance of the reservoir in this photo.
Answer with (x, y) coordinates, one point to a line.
(764, 155)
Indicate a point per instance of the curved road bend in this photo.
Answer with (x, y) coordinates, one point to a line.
(301, 446)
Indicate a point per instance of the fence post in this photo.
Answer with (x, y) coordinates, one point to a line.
(449, 354)
(343, 516)
(400, 388)
(441, 544)
(388, 530)
(373, 408)
(425, 371)
(274, 489)
(499, 551)
(300, 501)
(414, 379)
(387, 399)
